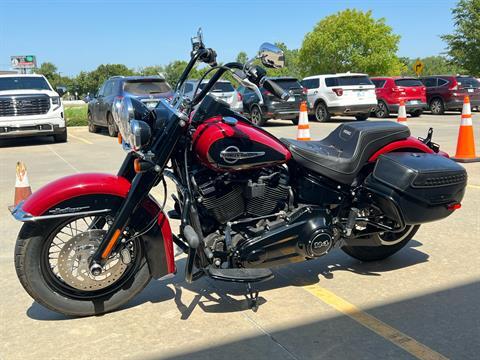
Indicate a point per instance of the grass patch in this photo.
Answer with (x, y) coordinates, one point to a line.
(76, 115)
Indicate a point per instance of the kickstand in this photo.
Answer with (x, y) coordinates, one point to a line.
(252, 298)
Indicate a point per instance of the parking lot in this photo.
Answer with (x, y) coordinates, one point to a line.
(420, 303)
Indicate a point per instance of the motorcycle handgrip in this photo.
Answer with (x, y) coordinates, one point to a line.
(275, 89)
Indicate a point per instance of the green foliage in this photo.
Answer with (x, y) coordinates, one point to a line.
(433, 65)
(242, 57)
(76, 115)
(292, 64)
(464, 44)
(292, 67)
(350, 40)
(50, 71)
(89, 82)
(151, 70)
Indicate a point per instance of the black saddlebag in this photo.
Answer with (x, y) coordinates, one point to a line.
(416, 188)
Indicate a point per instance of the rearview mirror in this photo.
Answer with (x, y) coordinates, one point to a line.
(61, 91)
(271, 56)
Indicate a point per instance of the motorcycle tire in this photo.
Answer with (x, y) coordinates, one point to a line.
(35, 272)
(376, 253)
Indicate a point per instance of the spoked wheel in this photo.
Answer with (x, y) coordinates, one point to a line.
(437, 107)
(112, 128)
(381, 111)
(391, 243)
(256, 116)
(321, 112)
(91, 126)
(54, 268)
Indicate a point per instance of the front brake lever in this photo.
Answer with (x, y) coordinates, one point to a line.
(241, 77)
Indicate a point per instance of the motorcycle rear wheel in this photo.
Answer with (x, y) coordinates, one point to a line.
(65, 286)
(391, 244)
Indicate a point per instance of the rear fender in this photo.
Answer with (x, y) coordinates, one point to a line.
(410, 144)
(91, 194)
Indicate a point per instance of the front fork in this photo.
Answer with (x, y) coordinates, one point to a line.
(142, 183)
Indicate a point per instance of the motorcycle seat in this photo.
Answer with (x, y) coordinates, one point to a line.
(342, 154)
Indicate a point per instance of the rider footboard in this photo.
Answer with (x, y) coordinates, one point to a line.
(417, 187)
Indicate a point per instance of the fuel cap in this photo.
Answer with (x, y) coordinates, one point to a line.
(230, 120)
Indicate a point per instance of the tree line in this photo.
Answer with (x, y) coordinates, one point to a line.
(350, 40)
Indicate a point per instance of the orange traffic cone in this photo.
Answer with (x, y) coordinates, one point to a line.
(402, 113)
(22, 186)
(466, 142)
(303, 132)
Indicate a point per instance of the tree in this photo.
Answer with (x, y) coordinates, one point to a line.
(350, 40)
(151, 70)
(292, 67)
(47, 69)
(433, 65)
(242, 57)
(463, 46)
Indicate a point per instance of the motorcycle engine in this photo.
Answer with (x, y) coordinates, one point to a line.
(227, 196)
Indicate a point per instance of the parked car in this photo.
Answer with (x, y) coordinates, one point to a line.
(273, 107)
(148, 89)
(390, 90)
(30, 107)
(223, 90)
(447, 92)
(340, 94)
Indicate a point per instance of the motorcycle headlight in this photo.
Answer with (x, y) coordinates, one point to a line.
(56, 102)
(140, 134)
(135, 133)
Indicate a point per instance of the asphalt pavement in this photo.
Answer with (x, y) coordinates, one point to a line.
(421, 303)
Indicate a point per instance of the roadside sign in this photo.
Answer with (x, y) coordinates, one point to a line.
(418, 67)
(23, 61)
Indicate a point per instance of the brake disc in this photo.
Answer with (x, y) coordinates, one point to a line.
(74, 258)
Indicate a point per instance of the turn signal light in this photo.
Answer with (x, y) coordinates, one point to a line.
(119, 138)
(137, 166)
(454, 206)
(140, 166)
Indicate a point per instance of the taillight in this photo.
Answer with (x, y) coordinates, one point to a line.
(453, 85)
(338, 91)
(304, 91)
(266, 92)
(239, 96)
(454, 206)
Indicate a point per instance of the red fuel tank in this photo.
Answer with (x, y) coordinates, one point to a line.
(229, 144)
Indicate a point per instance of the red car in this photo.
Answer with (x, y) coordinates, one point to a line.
(390, 90)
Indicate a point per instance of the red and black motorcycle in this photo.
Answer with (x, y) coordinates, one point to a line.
(246, 201)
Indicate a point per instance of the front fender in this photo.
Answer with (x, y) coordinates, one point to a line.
(95, 192)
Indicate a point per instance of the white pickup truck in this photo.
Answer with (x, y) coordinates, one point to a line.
(30, 107)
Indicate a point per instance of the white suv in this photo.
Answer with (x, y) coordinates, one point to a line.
(30, 107)
(223, 90)
(340, 94)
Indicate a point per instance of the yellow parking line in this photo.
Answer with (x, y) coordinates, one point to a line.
(81, 139)
(396, 337)
(473, 186)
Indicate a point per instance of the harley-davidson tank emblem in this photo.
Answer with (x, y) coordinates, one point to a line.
(232, 154)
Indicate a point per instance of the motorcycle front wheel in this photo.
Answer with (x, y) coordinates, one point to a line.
(52, 263)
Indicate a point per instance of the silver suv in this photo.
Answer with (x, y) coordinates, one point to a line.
(222, 90)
